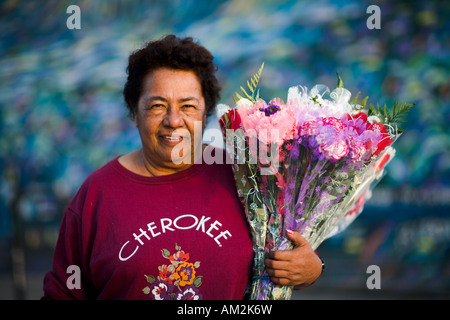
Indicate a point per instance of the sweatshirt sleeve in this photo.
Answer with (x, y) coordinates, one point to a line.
(68, 280)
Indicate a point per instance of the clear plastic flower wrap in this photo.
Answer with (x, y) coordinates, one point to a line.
(307, 165)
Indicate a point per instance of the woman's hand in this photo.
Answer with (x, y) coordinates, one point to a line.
(298, 267)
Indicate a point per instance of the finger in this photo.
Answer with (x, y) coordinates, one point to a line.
(277, 264)
(280, 255)
(287, 255)
(281, 281)
(277, 273)
(297, 239)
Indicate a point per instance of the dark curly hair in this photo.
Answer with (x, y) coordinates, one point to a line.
(173, 53)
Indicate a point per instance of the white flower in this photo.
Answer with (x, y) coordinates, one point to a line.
(373, 119)
(244, 103)
(221, 109)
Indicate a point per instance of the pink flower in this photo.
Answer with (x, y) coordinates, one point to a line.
(309, 128)
(278, 126)
(330, 144)
(358, 149)
(335, 123)
(365, 138)
(336, 150)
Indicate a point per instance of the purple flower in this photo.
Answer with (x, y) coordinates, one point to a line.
(270, 109)
(295, 151)
(161, 289)
(189, 293)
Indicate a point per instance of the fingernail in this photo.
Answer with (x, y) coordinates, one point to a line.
(289, 231)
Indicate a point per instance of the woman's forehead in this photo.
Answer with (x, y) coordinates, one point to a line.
(174, 85)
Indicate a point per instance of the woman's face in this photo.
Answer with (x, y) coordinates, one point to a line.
(170, 107)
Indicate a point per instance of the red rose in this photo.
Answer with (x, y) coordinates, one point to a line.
(382, 162)
(358, 122)
(359, 115)
(230, 120)
(385, 138)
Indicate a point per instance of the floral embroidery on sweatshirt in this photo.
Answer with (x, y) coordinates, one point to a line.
(177, 280)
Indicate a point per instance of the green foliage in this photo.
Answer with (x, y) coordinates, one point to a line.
(397, 113)
(394, 116)
(340, 84)
(252, 86)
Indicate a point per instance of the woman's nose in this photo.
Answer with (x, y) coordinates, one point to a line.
(173, 118)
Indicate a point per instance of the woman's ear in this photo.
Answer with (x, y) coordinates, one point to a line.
(204, 122)
(135, 119)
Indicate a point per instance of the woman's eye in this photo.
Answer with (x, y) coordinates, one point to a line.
(155, 106)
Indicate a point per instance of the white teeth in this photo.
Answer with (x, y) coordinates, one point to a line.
(172, 138)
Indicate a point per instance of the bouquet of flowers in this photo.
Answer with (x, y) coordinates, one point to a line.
(306, 165)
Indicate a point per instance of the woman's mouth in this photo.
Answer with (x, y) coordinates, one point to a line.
(172, 140)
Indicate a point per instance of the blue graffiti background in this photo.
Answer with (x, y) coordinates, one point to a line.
(62, 116)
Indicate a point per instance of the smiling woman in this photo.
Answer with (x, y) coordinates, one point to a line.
(170, 90)
(171, 103)
(171, 85)
(175, 54)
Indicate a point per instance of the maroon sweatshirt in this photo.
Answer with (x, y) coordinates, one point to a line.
(180, 236)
